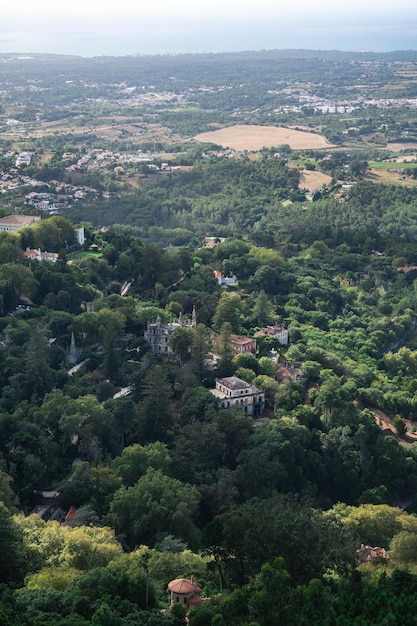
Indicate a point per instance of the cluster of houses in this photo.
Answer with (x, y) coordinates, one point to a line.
(11, 180)
(60, 196)
(231, 392)
(97, 158)
(35, 254)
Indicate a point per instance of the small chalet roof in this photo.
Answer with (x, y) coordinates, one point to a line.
(183, 586)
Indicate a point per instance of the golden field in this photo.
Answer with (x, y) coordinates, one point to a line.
(250, 137)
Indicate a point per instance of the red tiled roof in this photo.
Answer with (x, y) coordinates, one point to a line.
(183, 585)
(18, 219)
(240, 339)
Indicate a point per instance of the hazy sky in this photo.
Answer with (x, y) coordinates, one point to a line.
(93, 28)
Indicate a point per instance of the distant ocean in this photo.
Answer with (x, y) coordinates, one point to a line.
(124, 39)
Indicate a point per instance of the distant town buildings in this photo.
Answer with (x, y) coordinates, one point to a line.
(24, 158)
(235, 392)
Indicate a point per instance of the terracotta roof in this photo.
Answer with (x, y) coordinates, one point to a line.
(18, 219)
(70, 515)
(37, 254)
(366, 554)
(239, 339)
(195, 600)
(183, 585)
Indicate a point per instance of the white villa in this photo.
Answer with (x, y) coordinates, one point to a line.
(235, 392)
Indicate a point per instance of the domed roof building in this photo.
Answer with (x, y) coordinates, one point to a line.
(185, 591)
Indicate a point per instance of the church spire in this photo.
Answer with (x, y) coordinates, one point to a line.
(73, 352)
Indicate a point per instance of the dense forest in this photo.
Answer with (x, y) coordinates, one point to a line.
(164, 482)
(119, 470)
(226, 197)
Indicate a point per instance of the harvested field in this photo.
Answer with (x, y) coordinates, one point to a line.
(390, 178)
(250, 137)
(313, 181)
(397, 147)
(406, 159)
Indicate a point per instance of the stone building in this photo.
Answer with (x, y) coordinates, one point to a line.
(235, 392)
(158, 334)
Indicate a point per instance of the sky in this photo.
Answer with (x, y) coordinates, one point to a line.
(96, 28)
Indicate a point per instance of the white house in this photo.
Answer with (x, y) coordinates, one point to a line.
(37, 255)
(235, 392)
(225, 280)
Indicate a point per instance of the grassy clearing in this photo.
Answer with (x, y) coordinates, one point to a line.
(84, 254)
(392, 165)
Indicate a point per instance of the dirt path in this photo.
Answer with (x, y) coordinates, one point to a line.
(388, 428)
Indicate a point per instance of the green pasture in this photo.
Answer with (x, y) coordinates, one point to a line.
(392, 165)
(83, 254)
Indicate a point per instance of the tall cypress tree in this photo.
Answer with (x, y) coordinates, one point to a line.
(156, 415)
(38, 375)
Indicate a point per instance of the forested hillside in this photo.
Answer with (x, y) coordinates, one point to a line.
(163, 466)
(120, 470)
